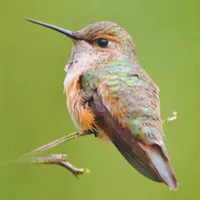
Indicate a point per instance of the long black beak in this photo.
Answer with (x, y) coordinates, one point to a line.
(56, 28)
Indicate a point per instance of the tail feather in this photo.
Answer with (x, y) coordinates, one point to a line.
(161, 165)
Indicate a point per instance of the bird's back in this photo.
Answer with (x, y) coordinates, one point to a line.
(125, 103)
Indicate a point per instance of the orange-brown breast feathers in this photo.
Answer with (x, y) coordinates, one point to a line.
(81, 114)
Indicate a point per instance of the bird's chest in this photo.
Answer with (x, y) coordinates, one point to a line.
(80, 113)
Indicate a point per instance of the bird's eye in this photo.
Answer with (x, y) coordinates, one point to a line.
(102, 42)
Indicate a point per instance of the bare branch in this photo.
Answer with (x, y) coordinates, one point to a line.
(61, 160)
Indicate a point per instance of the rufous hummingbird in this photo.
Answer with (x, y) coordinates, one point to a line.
(111, 96)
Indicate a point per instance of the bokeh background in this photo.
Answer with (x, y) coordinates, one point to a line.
(32, 103)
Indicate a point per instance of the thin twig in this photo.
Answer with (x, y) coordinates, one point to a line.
(58, 159)
(56, 142)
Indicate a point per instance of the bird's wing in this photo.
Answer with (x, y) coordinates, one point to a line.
(132, 100)
(126, 107)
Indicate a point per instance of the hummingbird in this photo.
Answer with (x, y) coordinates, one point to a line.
(111, 96)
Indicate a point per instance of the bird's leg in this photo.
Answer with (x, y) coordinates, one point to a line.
(57, 142)
(61, 160)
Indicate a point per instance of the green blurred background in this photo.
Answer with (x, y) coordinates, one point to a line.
(32, 103)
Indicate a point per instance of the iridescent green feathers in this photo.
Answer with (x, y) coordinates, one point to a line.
(134, 93)
(131, 98)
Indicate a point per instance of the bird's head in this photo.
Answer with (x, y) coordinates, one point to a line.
(100, 42)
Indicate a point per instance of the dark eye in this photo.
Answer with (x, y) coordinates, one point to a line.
(102, 42)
